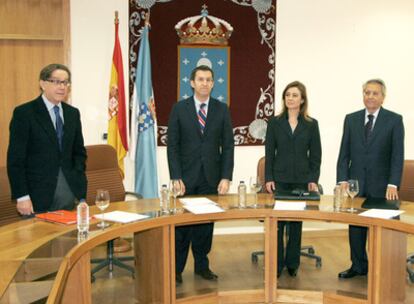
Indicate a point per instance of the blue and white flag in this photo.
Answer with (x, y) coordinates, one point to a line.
(144, 124)
(217, 58)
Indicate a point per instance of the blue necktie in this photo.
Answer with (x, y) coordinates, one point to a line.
(59, 126)
(202, 117)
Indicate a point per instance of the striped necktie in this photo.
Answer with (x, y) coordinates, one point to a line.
(202, 117)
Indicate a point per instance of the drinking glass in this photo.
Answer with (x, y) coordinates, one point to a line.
(102, 202)
(353, 189)
(255, 187)
(175, 190)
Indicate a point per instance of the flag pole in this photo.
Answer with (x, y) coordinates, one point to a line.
(147, 19)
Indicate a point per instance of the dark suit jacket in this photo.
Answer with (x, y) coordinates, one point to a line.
(33, 156)
(188, 149)
(375, 163)
(293, 158)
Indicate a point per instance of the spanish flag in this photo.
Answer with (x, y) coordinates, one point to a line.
(117, 124)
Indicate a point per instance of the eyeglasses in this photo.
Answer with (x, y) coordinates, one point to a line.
(57, 82)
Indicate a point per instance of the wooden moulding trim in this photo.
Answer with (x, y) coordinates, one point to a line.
(299, 296)
(31, 37)
(226, 297)
(336, 297)
(283, 296)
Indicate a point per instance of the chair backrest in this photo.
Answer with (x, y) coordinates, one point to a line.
(103, 172)
(261, 172)
(406, 192)
(8, 212)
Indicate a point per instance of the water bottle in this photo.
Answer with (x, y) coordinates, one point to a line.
(83, 217)
(241, 190)
(165, 200)
(338, 198)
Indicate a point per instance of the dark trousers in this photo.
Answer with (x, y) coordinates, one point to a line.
(357, 242)
(199, 236)
(289, 255)
(63, 197)
(290, 258)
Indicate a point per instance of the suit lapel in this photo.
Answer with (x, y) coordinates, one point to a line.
(191, 110)
(300, 127)
(44, 120)
(360, 125)
(211, 113)
(68, 125)
(284, 123)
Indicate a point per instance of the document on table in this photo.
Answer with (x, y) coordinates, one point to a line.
(121, 216)
(200, 205)
(197, 201)
(381, 213)
(289, 205)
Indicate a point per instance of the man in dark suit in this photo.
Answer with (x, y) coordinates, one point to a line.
(46, 155)
(372, 151)
(200, 158)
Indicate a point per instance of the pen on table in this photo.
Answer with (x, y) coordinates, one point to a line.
(55, 212)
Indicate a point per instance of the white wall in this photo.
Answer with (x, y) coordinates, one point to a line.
(331, 46)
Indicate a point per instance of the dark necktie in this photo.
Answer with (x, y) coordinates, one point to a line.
(59, 126)
(368, 126)
(202, 117)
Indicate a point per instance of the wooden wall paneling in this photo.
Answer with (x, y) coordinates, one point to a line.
(33, 33)
(26, 18)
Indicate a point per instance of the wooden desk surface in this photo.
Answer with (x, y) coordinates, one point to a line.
(21, 240)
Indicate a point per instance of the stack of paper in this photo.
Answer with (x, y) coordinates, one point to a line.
(381, 213)
(121, 216)
(200, 205)
(289, 205)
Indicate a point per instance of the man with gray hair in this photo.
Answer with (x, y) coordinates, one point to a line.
(372, 152)
(46, 155)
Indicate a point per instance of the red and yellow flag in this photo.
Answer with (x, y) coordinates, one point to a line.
(117, 125)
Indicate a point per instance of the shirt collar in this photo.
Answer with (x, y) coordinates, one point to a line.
(198, 102)
(375, 113)
(49, 105)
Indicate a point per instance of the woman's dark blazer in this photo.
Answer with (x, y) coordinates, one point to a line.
(293, 157)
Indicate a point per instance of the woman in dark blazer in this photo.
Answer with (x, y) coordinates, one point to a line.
(293, 160)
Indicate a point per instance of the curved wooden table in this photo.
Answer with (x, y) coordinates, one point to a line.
(154, 251)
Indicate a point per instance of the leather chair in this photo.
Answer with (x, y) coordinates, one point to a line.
(103, 172)
(406, 193)
(8, 212)
(307, 251)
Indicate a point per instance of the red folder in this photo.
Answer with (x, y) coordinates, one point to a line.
(59, 216)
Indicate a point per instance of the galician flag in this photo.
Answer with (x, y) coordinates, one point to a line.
(117, 124)
(144, 124)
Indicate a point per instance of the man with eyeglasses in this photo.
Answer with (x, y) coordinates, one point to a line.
(46, 154)
(372, 152)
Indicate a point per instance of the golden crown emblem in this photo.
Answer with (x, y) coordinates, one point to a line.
(204, 29)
